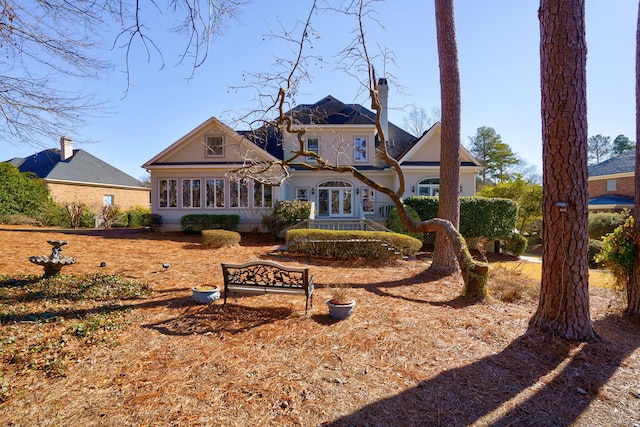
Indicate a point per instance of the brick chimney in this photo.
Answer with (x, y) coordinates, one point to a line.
(383, 96)
(66, 148)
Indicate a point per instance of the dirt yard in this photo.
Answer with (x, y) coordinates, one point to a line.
(414, 353)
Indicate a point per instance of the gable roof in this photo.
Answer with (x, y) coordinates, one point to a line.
(622, 163)
(81, 167)
(256, 137)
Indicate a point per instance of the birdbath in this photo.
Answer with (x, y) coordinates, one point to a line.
(53, 264)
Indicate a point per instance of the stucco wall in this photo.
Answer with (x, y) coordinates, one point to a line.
(92, 196)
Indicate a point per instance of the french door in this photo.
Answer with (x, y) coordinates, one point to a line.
(335, 199)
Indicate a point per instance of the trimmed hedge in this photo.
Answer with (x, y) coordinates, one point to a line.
(286, 213)
(395, 224)
(479, 216)
(219, 238)
(195, 223)
(350, 244)
(516, 244)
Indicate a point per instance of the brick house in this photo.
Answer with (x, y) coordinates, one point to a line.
(75, 176)
(612, 183)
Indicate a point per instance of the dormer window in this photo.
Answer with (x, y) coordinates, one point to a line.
(214, 146)
(360, 149)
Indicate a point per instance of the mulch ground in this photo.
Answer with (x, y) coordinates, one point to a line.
(413, 353)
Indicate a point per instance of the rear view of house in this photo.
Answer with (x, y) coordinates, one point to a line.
(192, 175)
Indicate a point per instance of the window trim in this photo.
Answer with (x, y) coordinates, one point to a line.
(611, 185)
(168, 193)
(431, 186)
(215, 193)
(237, 194)
(192, 199)
(316, 150)
(262, 187)
(355, 150)
(210, 153)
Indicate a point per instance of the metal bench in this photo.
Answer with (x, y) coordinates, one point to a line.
(267, 277)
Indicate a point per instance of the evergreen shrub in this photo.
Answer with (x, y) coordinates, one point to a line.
(344, 244)
(195, 223)
(219, 238)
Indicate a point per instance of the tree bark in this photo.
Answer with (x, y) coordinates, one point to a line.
(444, 257)
(633, 284)
(563, 308)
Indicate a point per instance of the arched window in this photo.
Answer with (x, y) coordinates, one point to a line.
(429, 187)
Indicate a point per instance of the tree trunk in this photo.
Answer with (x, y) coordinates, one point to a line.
(444, 257)
(633, 285)
(564, 293)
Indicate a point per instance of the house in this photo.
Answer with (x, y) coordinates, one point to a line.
(612, 183)
(191, 175)
(75, 176)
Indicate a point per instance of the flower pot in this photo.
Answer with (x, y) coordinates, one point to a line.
(340, 311)
(205, 294)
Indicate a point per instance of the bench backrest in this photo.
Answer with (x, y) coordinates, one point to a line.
(265, 273)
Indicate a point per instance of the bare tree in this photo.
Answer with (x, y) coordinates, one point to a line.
(475, 274)
(563, 308)
(418, 121)
(50, 47)
(633, 284)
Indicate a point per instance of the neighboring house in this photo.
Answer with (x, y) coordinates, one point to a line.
(612, 183)
(191, 175)
(75, 176)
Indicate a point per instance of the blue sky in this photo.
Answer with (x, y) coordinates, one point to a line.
(498, 44)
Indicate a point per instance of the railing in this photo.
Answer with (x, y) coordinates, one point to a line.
(377, 210)
(339, 224)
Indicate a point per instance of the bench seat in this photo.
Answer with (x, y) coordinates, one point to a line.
(267, 277)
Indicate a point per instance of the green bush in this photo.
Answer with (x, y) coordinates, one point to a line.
(350, 244)
(603, 223)
(395, 224)
(617, 253)
(219, 238)
(479, 216)
(286, 213)
(22, 193)
(136, 216)
(195, 223)
(595, 246)
(153, 221)
(516, 245)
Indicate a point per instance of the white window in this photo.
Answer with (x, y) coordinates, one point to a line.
(360, 149)
(611, 185)
(368, 200)
(262, 195)
(429, 187)
(313, 145)
(107, 200)
(302, 194)
(239, 194)
(190, 193)
(214, 146)
(215, 193)
(168, 193)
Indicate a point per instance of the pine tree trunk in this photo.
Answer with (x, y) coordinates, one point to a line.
(564, 295)
(633, 285)
(444, 257)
